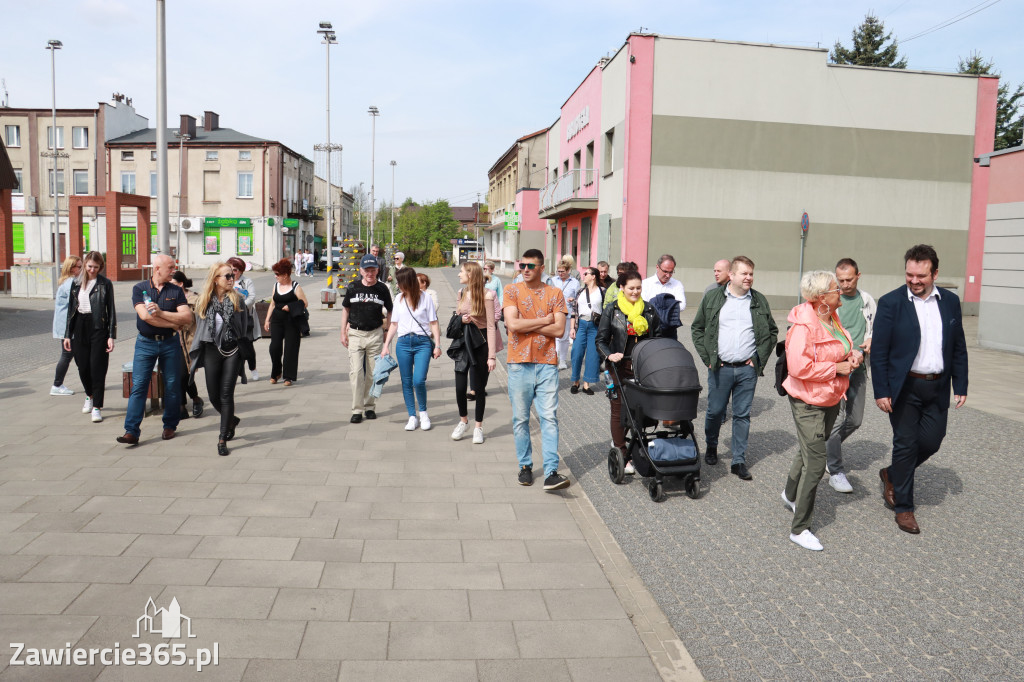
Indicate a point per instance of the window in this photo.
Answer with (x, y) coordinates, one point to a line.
(17, 176)
(60, 182)
(152, 155)
(13, 136)
(245, 156)
(79, 137)
(608, 164)
(211, 155)
(588, 177)
(127, 156)
(81, 178)
(60, 137)
(152, 183)
(211, 239)
(245, 185)
(128, 182)
(211, 186)
(243, 240)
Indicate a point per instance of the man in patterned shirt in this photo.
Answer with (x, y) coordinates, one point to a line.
(535, 316)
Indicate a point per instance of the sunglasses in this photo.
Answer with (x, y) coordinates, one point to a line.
(229, 276)
(528, 266)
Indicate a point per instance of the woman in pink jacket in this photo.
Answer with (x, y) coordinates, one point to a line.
(820, 356)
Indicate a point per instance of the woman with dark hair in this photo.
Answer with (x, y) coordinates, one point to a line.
(71, 268)
(625, 321)
(413, 315)
(584, 332)
(286, 304)
(220, 345)
(185, 335)
(247, 290)
(91, 330)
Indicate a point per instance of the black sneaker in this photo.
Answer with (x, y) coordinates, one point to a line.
(197, 408)
(526, 476)
(356, 419)
(711, 456)
(741, 471)
(370, 414)
(555, 481)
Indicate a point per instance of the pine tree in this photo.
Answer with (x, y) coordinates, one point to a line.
(436, 259)
(869, 47)
(1009, 118)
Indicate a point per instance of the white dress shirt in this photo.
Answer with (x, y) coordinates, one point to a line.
(929, 353)
(652, 286)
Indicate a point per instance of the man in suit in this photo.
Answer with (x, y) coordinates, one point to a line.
(918, 350)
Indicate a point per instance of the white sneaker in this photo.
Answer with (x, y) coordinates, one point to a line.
(478, 435)
(839, 482)
(411, 424)
(630, 469)
(87, 407)
(96, 416)
(424, 421)
(562, 366)
(791, 505)
(255, 375)
(61, 390)
(460, 430)
(807, 541)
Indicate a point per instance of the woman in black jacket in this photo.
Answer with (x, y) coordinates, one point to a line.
(91, 330)
(221, 344)
(624, 322)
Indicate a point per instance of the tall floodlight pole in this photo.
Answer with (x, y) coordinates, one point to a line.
(374, 113)
(53, 46)
(182, 138)
(163, 221)
(326, 31)
(393, 164)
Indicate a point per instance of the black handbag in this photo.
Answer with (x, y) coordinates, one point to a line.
(454, 329)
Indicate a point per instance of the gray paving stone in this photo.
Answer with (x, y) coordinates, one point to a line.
(259, 573)
(345, 641)
(211, 525)
(56, 522)
(312, 604)
(112, 600)
(125, 505)
(413, 529)
(157, 524)
(178, 571)
(358, 576)
(580, 604)
(250, 638)
(263, 670)
(25, 598)
(559, 551)
(552, 669)
(87, 544)
(13, 567)
(519, 576)
(171, 546)
(413, 510)
(507, 605)
(367, 529)
(288, 507)
(201, 601)
(245, 548)
(385, 550)
(410, 605)
(58, 569)
(612, 669)
(578, 639)
(289, 527)
(409, 671)
(448, 641)
(317, 549)
(494, 551)
(440, 576)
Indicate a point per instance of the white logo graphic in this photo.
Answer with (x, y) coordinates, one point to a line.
(169, 621)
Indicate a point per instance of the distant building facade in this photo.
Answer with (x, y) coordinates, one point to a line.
(514, 183)
(1001, 314)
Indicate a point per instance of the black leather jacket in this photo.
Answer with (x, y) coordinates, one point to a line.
(611, 334)
(101, 298)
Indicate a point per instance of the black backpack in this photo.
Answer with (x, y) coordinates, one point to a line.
(781, 367)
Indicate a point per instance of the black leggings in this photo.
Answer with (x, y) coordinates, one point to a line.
(221, 375)
(90, 348)
(479, 376)
(284, 335)
(63, 363)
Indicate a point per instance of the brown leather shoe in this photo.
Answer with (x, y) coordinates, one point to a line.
(888, 492)
(168, 434)
(128, 439)
(907, 522)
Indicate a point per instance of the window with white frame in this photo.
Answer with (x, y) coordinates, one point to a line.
(12, 135)
(211, 155)
(152, 183)
(152, 155)
(60, 137)
(128, 182)
(127, 156)
(245, 155)
(245, 185)
(18, 189)
(81, 180)
(79, 137)
(60, 182)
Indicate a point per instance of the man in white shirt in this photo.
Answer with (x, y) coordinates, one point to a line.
(662, 282)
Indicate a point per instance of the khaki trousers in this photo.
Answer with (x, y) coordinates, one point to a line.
(363, 350)
(813, 426)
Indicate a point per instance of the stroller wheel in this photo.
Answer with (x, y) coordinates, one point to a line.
(692, 486)
(654, 488)
(616, 466)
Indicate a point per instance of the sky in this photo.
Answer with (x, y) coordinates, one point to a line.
(456, 82)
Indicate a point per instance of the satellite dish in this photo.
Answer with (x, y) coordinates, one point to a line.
(186, 223)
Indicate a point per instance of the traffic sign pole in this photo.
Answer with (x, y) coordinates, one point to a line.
(805, 226)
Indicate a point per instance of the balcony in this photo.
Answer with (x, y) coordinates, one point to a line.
(574, 192)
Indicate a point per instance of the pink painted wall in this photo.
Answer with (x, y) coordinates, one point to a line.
(588, 94)
(637, 145)
(1006, 178)
(984, 132)
(528, 205)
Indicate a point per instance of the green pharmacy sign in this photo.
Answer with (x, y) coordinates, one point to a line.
(291, 222)
(227, 222)
(512, 221)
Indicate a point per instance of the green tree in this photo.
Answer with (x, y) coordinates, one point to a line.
(869, 47)
(436, 259)
(1009, 118)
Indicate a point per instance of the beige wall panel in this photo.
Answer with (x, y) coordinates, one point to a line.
(613, 90)
(783, 197)
(1002, 296)
(1012, 211)
(1001, 325)
(1009, 278)
(1007, 254)
(615, 244)
(554, 149)
(796, 85)
(609, 199)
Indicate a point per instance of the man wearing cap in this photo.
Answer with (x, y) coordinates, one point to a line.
(363, 322)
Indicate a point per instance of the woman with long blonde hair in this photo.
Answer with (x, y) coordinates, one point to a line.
(91, 329)
(221, 344)
(71, 269)
(476, 304)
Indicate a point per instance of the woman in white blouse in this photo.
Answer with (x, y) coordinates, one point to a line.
(584, 333)
(413, 315)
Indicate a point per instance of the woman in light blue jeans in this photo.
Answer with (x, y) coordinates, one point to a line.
(413, 315)
(589, 302)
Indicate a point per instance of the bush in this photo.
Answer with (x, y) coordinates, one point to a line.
(436, 259)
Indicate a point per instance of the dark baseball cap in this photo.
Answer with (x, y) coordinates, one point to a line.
(369, 261)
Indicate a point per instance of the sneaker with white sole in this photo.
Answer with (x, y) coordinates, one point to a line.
(478, 436)
(807, 541)
(424, 421)
(556, 481)
(839, 482)
(87, 407)
(788, 502)
(61, 390)
(630, 469)
(255, 376)
(460, 430)
(411, 424)
(96, 416)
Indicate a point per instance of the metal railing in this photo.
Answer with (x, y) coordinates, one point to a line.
(580, 183)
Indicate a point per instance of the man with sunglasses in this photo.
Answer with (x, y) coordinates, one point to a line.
(535, 316)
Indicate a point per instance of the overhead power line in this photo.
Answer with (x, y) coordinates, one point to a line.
(952, 20)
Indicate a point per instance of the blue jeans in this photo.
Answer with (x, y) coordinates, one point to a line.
(740, 382)
(585, 346)
(147, 353)
(530, 383)
(412, 352)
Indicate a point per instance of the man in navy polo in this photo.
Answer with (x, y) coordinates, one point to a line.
(161, 308)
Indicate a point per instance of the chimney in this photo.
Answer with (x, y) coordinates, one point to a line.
(211, 121)
(188, 126)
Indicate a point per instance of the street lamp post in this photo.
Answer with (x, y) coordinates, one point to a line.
(182, 139)
(326, 30)
(162, 211)
(53, 46)
(393, 164)
(374, 113)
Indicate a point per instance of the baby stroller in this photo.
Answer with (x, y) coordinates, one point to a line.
(666, 388)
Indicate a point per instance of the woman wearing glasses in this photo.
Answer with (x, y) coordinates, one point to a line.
(282, 323)
(820, 357)
(220, 345)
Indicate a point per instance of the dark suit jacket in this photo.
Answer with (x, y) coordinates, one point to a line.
(897, 337)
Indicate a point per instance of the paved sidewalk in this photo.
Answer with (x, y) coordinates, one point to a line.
(318, 550)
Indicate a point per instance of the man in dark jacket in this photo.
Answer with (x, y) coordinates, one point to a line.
(734, 333)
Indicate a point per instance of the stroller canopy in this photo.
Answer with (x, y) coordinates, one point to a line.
(665, 363)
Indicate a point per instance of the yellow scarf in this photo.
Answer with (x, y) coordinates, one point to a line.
(634, 313)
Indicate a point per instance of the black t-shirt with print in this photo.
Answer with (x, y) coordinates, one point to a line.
(366, 305)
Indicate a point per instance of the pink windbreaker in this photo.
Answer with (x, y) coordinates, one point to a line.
(812, 353)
